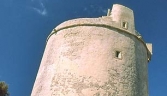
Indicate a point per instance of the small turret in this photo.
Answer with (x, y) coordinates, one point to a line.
(124, 16)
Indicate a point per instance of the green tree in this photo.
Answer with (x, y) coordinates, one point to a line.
(3, 89)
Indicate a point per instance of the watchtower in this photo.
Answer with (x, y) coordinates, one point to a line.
(102, 56)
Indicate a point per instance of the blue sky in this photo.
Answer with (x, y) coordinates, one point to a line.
(25, 25)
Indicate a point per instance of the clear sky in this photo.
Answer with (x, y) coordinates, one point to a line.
(25, 25)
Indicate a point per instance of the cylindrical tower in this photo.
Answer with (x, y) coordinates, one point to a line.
(95, 57)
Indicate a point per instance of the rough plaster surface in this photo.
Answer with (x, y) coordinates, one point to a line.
(81, 61)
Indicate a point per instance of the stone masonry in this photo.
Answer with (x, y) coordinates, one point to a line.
(102, 56)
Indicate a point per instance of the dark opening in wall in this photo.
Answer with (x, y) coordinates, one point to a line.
(118, 54)
(125, 25)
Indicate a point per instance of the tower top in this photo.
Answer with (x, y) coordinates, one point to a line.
(120, 13)
(119, 18)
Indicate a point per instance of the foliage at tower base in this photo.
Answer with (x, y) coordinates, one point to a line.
(3, 89)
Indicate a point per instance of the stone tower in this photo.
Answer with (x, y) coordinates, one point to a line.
(102, 56)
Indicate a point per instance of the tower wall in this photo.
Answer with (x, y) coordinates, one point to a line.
(93, 57)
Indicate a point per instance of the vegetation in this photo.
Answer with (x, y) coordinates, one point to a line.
(3, 89)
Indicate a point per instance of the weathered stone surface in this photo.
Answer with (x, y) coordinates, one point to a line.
(94, 57)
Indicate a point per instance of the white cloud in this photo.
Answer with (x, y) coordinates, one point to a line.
(41, 12)
(40, 9)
